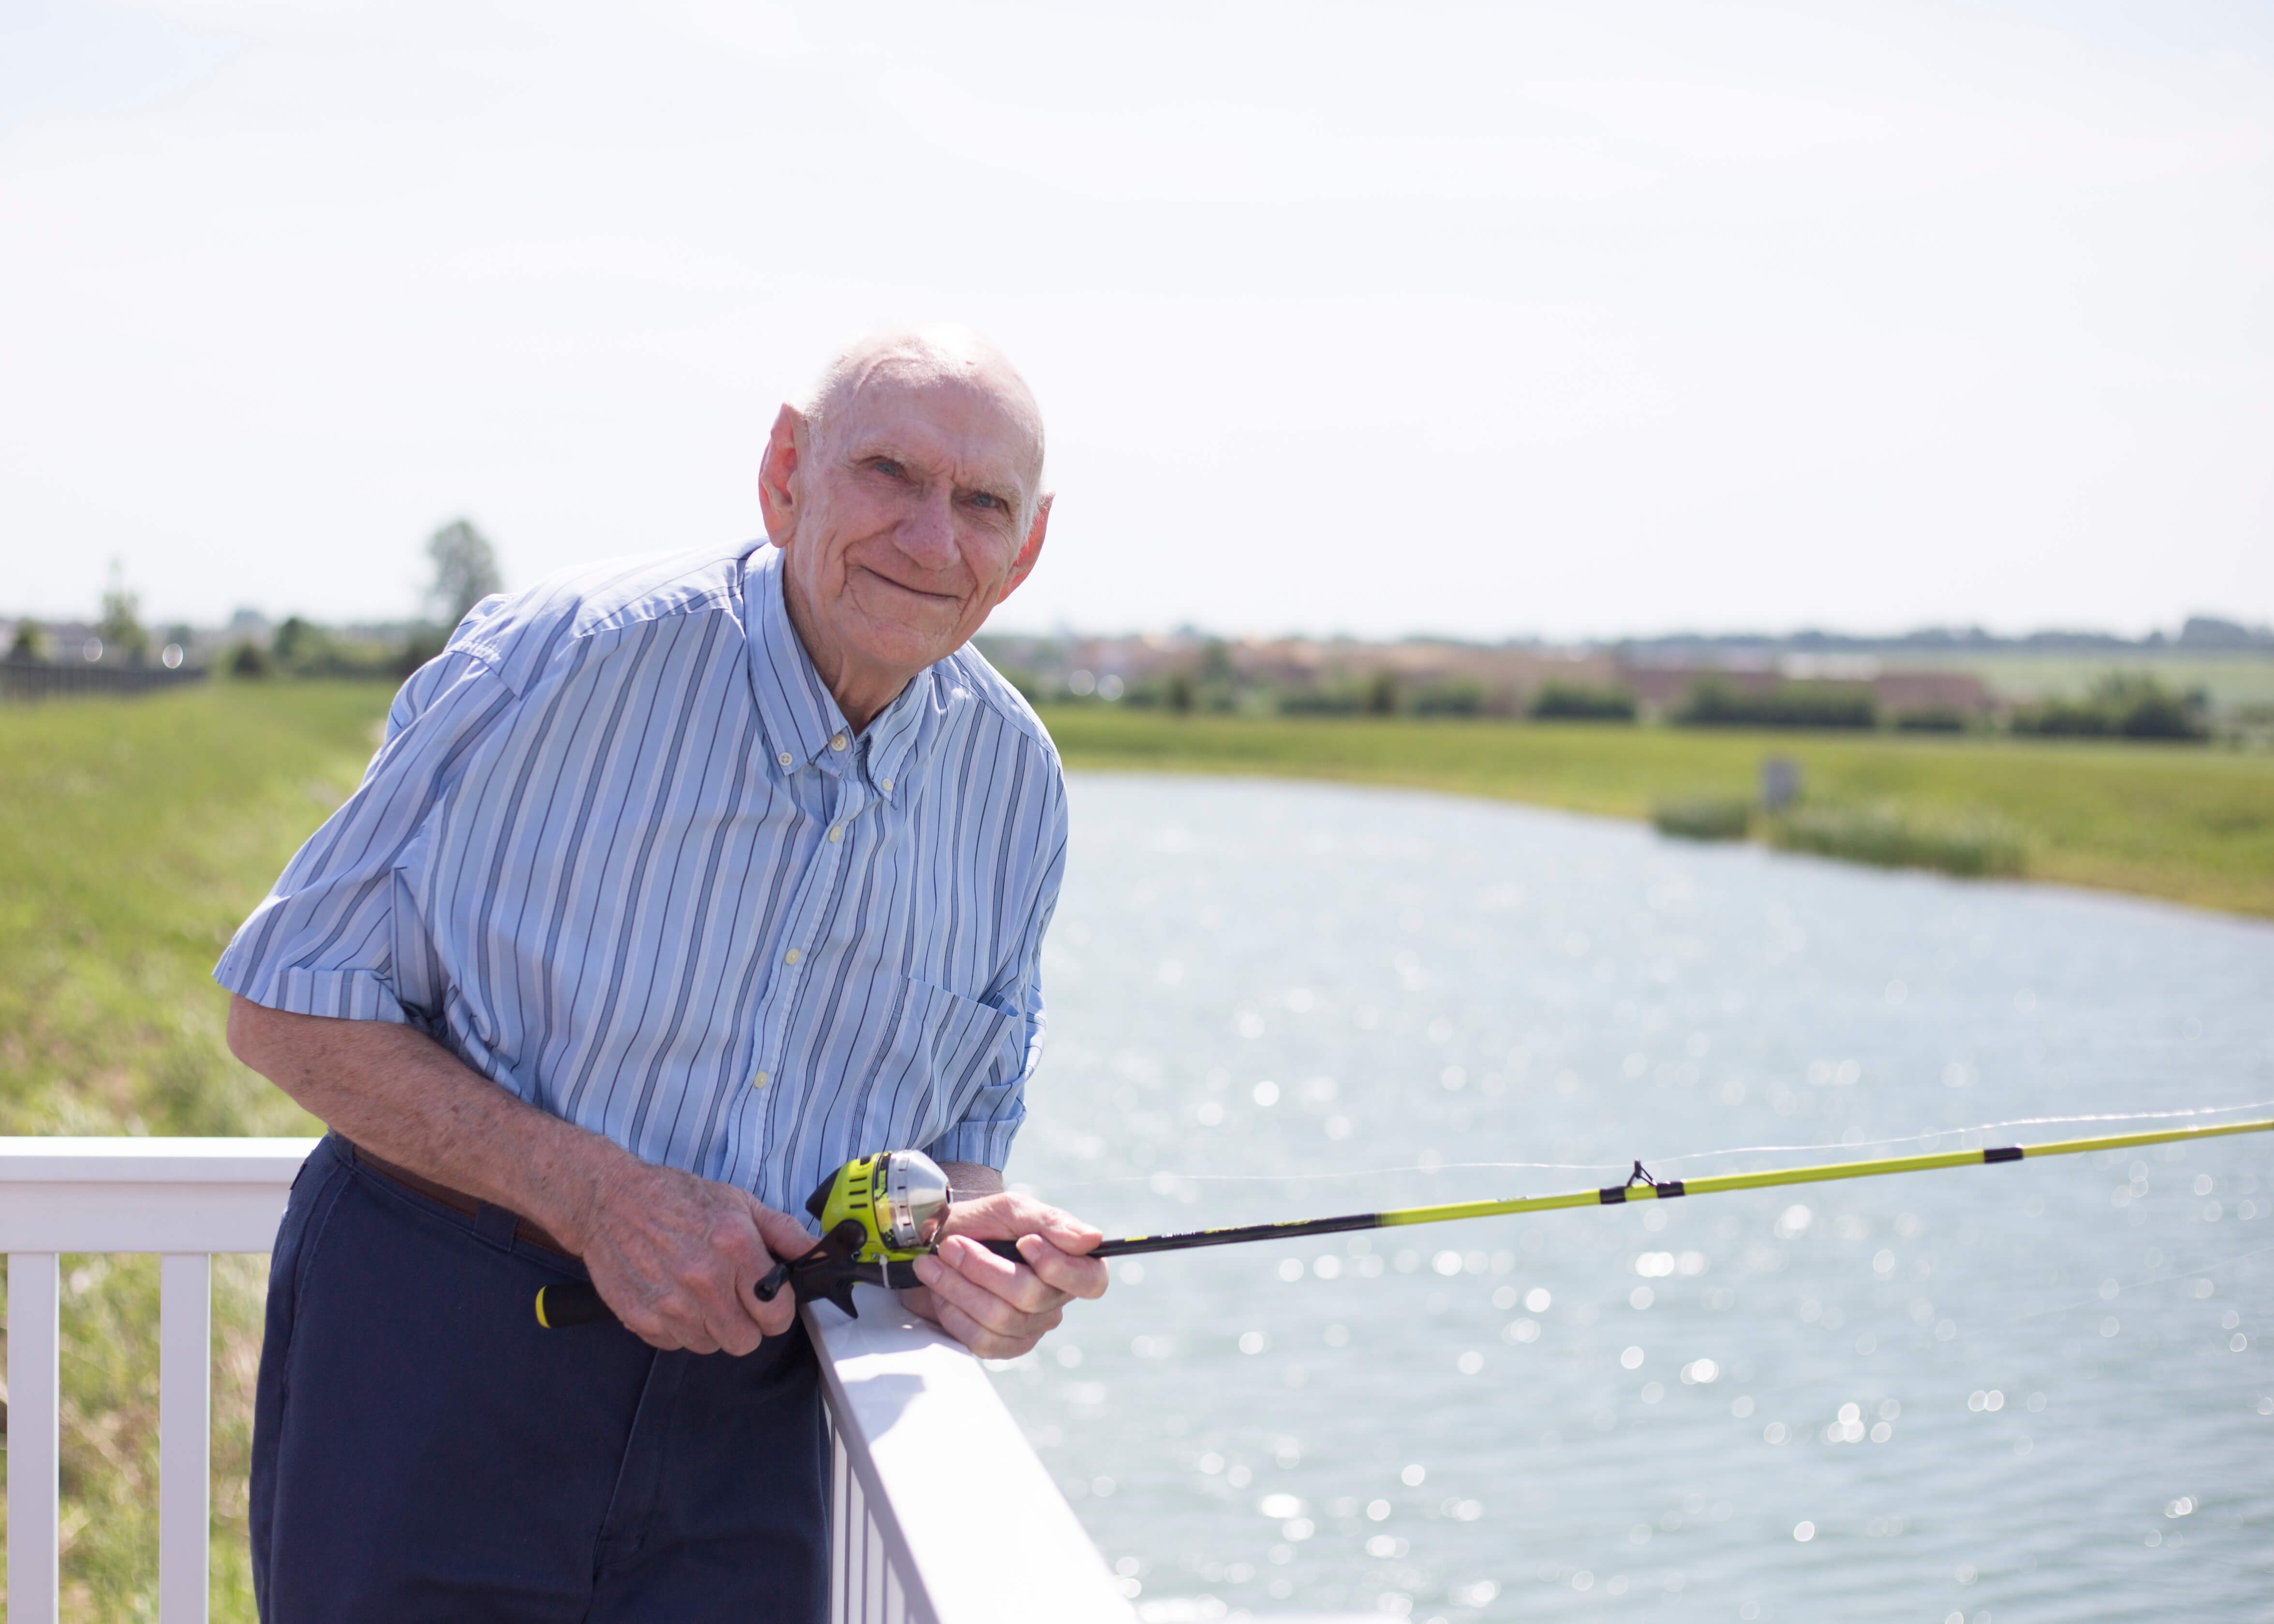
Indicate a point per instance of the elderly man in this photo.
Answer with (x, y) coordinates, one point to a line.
(673, 886)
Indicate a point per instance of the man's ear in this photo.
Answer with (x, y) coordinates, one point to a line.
(1030, 555)
(777, 475)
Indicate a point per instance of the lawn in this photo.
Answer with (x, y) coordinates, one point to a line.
(139, 833)
(2187, 823)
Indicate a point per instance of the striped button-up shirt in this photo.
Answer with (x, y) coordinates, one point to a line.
(621, 854)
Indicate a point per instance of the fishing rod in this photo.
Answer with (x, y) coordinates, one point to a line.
(879, 1214)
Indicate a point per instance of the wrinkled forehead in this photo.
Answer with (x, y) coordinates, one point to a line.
(970, 419)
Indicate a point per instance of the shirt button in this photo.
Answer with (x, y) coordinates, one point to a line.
(792, 956)
(836, 741)
(836, 833)
(888, 786)
(759, 1081)
(783, 758)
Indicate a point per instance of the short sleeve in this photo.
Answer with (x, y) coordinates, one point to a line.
(339, 935)
(992, 1122)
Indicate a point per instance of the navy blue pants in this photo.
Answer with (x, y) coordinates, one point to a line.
(422, 1449)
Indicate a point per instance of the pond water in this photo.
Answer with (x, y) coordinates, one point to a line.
(1993, 1393)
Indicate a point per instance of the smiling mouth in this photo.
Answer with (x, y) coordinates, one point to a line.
(913, 592)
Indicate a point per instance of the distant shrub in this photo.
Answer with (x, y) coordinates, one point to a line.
(2121, 706)
(1381, 694)
(1932, 720)
(1703, 817)
(2064, 718)
(1578, 702)
(424, 641)
(1889, 837)
(1793, 704)
(246, 660)
(30, 645)
(1322, 702)
(1455, 697)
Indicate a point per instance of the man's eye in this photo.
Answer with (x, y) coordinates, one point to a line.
(987, 498)
(889, 467)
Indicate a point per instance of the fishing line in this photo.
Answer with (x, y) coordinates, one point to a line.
(1691, 1156)
(2138, 1285)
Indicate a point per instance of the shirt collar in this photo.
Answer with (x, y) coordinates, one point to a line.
(796, 712)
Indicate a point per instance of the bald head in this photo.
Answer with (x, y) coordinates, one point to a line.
(922, 358)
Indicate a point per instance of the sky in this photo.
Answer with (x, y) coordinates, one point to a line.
(1568, 320)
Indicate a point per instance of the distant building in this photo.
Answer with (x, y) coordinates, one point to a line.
(1664, 688)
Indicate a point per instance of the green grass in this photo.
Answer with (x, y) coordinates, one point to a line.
(2185, 823)
(139, 832)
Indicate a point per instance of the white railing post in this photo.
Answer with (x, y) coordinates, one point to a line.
(184, 1435)
(35, 1437)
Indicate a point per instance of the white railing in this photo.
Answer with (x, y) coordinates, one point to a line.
(941, 1514)
(184, 1200)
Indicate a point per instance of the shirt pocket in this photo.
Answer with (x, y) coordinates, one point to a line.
(951, 1053)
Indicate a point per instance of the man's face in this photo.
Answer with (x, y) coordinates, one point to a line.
(900, 520)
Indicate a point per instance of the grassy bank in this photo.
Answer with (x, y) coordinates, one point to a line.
(139, 833)
(2187, 823)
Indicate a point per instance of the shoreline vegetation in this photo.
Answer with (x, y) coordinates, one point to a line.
(2168, 820)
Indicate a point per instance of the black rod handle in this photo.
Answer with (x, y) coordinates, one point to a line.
(573, 1303)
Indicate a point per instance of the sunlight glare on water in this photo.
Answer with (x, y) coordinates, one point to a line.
(2027, 1391)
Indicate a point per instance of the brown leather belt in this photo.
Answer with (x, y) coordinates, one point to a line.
(457, 1200)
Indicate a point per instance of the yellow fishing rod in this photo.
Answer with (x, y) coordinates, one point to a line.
(881, 1212)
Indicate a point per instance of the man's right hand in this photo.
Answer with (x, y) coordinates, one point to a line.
(677, 1256)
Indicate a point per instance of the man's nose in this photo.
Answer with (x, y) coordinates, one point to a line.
(928, 535)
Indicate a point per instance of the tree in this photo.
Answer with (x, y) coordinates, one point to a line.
(31, 642)
(297, 643)
(119, 628)
(465, 570)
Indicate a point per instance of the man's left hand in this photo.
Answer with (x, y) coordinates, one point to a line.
(997, 1308)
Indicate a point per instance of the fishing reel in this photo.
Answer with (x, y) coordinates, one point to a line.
(877, 1214)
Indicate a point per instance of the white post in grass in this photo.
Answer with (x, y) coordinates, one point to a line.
(184, 1435)
(34, 1434)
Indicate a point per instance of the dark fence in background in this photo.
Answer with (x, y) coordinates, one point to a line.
(30, 680)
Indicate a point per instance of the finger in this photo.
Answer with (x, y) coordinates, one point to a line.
(775, 1319)
(670, 1332)
(1068, 1233)
(1074, 1275)
(733, 1326)
(978, 1302)
(1021, 1288)
(765, 1318)
(783, 1236)
(1020, 1216)
(711, 1290)
(989, 1343)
